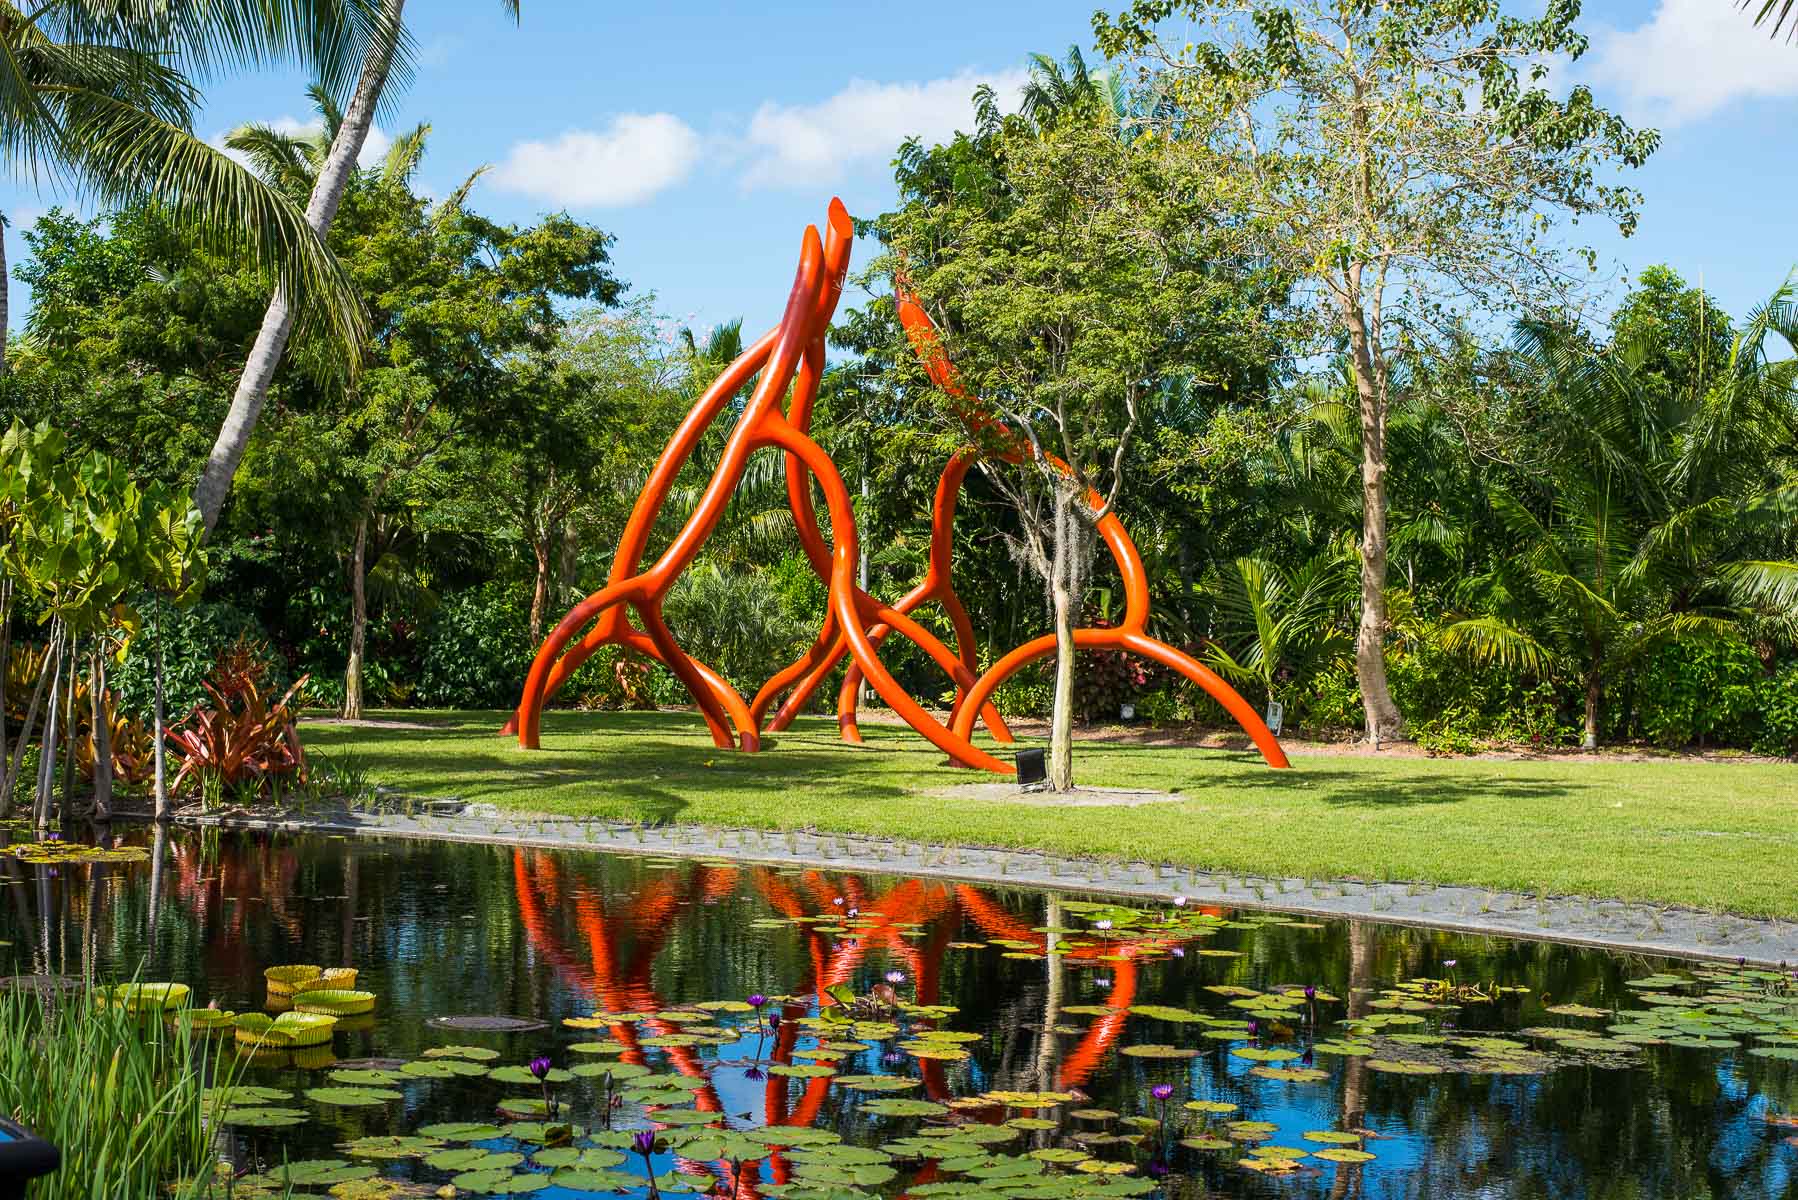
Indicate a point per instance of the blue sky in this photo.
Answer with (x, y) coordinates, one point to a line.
(706, 134)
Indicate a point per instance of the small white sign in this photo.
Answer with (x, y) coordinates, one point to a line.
(1276, 713)
(1127, 712)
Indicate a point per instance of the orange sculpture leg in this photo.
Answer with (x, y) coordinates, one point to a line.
(790, 361)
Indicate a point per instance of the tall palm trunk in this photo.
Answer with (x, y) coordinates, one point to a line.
(9, 772)
(5, 308)
(277, 322)
(46, 763)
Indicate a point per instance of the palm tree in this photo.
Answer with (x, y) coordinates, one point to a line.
(1281, 619)
(1660, 513)
(277, 322)
(99, 95)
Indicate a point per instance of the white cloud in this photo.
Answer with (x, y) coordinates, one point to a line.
(636, 156)
(813, 144)
(1691, 58)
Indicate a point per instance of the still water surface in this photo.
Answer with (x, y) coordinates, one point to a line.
(1048, 993)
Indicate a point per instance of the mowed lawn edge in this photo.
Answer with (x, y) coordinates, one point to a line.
(1708, 834)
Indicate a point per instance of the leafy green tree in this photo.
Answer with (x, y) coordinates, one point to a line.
(1405, 158)
(1072, 273)
(454, 298)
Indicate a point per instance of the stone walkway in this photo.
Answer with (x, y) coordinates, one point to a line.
(1610, 924)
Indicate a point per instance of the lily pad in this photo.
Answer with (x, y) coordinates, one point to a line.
(353, 1097)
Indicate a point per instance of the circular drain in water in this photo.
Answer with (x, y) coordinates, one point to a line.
(488, 1024)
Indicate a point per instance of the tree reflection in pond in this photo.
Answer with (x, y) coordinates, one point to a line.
(1509, 1099)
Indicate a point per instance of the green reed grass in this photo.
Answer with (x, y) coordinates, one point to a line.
(121, 1095)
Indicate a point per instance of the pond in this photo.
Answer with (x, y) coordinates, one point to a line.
(1031, 1045)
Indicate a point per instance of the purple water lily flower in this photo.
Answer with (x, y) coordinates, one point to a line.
(854, 912)
(1178, 951)
(540, 1068)
(1254, 1026)
(644, 1142)
(1162, 1091)
(1102, 923)
(757, 1000)
(892, 1058)
(1450, 962)
(754, 1072)
(895, 977)
(838, 902)
(1310, 992)
(1179, 901)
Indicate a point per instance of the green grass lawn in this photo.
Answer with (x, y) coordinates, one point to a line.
(1718, 835)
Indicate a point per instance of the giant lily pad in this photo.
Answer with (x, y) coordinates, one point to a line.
(334, 1002)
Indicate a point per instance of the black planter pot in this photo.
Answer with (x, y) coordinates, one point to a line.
(23, 1157)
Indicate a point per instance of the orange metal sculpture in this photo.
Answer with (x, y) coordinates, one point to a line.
(855, 624)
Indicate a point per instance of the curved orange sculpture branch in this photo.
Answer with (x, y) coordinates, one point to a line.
(791, 357)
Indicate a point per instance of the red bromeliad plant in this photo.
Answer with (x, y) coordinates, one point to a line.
(241, 738)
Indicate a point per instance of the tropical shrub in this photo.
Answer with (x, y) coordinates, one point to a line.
(193, 640)
(1776, 696)
(1701, 690)
(240, 742)
(1106, 680)
(736, 623)
(477, 648)
(1028, 693)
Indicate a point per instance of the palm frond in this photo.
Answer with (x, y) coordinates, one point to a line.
(1783, 12)
(126, 153)
(403, 157)
(1492, 642)
(1763, 585)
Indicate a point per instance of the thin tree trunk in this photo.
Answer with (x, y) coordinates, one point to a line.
(101, 736)
(1065, 591)
(159, 753)
(67, 805)
(352, 672)
(1594, 693)
(9, 777)
(277, 323)
(5, 581)
(540, 590)
(568, 562)
(1384, 721)
(46, 761)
